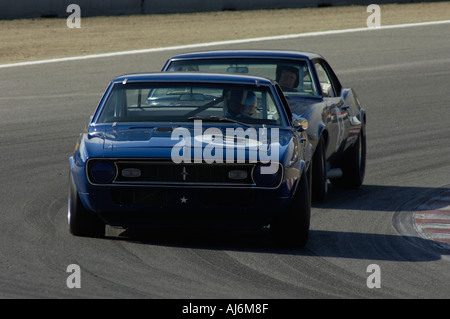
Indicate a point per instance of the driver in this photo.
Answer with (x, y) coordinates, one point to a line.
(242, 104)
(287, 77)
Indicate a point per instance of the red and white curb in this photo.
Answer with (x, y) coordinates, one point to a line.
(432, 218)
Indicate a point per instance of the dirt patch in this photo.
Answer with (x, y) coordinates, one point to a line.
(35, 39)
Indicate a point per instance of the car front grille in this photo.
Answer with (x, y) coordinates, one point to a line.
(169, 173)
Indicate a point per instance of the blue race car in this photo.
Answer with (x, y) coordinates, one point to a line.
(191, 149)
(337, 122)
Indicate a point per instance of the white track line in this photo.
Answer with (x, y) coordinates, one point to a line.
(216, 43)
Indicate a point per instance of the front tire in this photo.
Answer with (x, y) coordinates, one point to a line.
(354, 167)
(319, 173)
(81, 221)
(291, 228)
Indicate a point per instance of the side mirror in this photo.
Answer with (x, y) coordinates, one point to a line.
(300, 124)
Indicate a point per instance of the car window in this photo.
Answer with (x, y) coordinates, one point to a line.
(159, 102)
(294, 77)
(326, 83)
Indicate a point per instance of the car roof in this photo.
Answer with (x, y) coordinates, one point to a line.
(248, 54)
(194, 77)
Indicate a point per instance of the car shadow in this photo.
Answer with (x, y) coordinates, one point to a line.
(322, 243)
(379, 198)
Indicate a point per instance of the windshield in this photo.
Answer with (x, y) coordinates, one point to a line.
(293, 76)
(185, 102)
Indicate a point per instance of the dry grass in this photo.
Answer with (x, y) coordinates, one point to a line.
(33, 39)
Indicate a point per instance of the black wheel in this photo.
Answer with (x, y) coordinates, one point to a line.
(291, 228)
(81, 221)
(319, 173)
(354, 164)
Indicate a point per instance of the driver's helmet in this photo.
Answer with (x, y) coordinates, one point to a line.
(241, 102)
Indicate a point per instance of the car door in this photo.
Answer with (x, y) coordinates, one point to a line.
(337, 119)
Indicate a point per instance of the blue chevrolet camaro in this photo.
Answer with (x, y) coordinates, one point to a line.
(192, 149)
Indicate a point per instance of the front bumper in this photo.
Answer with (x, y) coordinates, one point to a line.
(182, 206)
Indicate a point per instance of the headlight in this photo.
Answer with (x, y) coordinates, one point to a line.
(102, 172)
(266, 180)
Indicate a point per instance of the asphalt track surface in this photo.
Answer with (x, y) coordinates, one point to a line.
(402, 78)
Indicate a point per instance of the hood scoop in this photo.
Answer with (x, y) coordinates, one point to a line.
(138, 137)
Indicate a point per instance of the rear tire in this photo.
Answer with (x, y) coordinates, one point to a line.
(81, 221)
(291, 228)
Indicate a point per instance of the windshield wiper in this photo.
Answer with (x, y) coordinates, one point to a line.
(218, 119)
